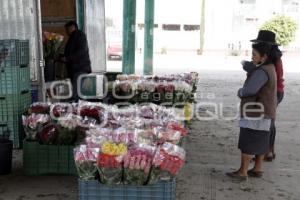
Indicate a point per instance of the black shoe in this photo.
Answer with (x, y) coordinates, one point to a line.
(254, 174)
(236, 176)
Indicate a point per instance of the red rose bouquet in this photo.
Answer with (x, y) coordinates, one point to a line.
(39, 108)
(167, 162)
(33, 124)
(48, 135)
(59, 110)
(176, 126)
(96, 111)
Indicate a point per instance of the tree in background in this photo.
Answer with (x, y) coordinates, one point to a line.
(284, 27)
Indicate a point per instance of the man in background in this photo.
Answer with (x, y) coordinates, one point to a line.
(76, 55)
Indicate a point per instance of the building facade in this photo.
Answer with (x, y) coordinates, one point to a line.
(228, 24)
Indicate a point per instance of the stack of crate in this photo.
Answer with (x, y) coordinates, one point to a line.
(15, 95)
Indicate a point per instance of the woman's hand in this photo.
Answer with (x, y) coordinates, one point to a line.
(247, 66)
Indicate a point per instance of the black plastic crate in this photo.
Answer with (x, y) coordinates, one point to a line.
(93, 190)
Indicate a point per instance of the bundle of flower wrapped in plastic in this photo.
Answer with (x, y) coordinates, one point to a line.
(110, 162)
(167, 162)
(167, 89)
(34, 123)
(86, 161)
(129, 154)
(133, 161)
(137, 164)
(56, 124)
(190, 78)
(134, 145)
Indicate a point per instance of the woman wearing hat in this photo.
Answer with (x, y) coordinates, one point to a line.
(265, 36)
(258, 109)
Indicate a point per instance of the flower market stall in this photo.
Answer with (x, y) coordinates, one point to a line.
(132, 146)
(117, 151)
(167, 89)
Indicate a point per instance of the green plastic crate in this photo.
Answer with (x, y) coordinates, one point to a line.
(13, 104)
(14, 80)
(93, 190)
(15, 130)
(14, 52)
(48, 159)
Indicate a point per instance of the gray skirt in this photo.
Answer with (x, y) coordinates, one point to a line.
(254, 142)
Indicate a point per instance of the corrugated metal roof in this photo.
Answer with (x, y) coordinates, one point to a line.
(95, 30)
(18, 21)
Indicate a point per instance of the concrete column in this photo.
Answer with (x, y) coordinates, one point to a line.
(129, 20)
(149, 30)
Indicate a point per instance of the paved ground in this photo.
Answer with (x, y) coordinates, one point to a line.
(186, 61)
(211, 151)
(212, 148)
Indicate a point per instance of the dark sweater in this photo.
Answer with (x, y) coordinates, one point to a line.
(249, 67)
(260, 87)
(77, 54)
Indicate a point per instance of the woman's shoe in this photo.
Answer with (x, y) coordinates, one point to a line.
(236, 176)
(255, 174)
(269, 157)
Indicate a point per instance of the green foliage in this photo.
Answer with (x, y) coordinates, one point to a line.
(284, 27)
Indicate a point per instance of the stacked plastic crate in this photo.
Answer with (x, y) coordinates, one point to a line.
(15, 94)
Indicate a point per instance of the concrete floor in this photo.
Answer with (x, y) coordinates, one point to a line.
(212, 148)
(211, 152)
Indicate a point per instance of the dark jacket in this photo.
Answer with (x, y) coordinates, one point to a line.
(248, 66)
(77, 54)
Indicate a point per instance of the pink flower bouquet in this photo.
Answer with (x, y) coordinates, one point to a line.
(137, 164)
(85, 160)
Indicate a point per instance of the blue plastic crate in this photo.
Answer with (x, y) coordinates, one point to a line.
(14, 52)
(93, 190)
(14, 79)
